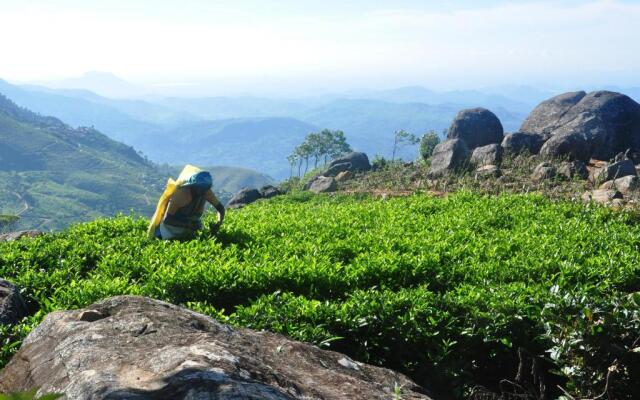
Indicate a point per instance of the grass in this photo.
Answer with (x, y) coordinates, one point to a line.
(457, 292)
(515, 177)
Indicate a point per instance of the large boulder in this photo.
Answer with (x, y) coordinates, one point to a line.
(520, 142)
(12, 305)
(130, 347)
(477, 127)
(450, 155)
(269, 191)
(544, 119)
(609, 122)
(490, 154)
(354, 162)
(572, 146)
(323, 184)
(243, 197)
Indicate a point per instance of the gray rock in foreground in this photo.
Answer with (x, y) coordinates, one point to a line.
(617, 170)
(574, 146)
(12, 305)
(520, 142)
(607, 122)
(354, 162)
(625, 185)
(244, 197)
(477, 127)
(323, 184)
(573, 169)
(543, 171)
(131, 347)
(490, 154)
(450, 155)
(269, 191)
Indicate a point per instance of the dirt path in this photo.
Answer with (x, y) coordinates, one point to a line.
(25, 205)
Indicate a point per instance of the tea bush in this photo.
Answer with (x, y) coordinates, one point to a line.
(513, 293)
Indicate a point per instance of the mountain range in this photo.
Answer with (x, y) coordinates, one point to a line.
(255, 132)
(259, 132)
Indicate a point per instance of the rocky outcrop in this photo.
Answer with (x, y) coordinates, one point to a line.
(450, 155)
(11, 236)
(353, 162)
(12, 305)
(323, 184)
(477, 127)
(490, 154)
(520, 142)
(131, 347)
(596, 125)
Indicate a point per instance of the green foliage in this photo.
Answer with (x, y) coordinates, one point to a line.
(318, 146)
(29, 395)
(456, 292)
(428, 142)
(7, 221)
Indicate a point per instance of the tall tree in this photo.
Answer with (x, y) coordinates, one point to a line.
(320, 146)
(401, 138)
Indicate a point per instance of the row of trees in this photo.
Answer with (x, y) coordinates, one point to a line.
(319, 147)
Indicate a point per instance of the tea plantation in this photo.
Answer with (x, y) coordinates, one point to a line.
(514, 293)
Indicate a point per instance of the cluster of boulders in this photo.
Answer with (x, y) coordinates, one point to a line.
(249, 195)
(339, 170)
(576, 135)
(131, 347)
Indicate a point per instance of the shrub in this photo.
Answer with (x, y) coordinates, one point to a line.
(428, 142)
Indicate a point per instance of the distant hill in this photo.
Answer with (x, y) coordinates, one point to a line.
(52, 175)
(261, 144)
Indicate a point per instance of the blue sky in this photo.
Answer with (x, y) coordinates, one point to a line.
(326, 45)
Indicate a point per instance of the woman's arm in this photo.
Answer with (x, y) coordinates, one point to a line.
(211, 198)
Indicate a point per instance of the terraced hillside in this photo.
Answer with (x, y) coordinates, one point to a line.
(52, 174)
